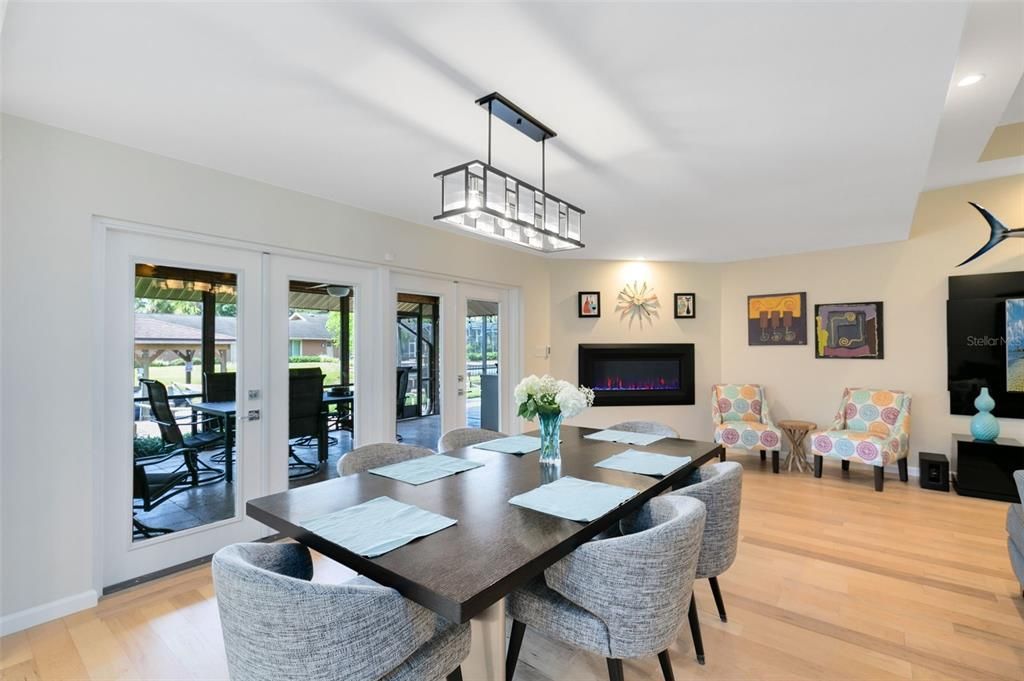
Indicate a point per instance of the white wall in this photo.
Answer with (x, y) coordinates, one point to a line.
(55, 181)
(910, 278)
(567, 331)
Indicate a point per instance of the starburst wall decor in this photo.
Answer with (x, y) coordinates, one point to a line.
(638, 301)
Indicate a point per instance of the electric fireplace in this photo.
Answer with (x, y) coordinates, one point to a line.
(638, 373)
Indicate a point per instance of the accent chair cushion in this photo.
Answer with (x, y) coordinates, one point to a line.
(748, 435)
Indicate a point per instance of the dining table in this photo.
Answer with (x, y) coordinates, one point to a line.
(465, 571)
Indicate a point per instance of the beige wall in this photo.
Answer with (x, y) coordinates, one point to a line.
(910, 278)
(54, 182)
(567, 331)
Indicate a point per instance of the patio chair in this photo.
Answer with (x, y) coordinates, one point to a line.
(161, 414)
(152, 488)
(219, 387)
(306, 420)
(402, 388)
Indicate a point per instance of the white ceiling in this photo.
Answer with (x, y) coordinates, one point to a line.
(711, 132)
(992, 44)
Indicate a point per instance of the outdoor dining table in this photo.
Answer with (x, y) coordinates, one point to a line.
(227, 410)
(465, 571)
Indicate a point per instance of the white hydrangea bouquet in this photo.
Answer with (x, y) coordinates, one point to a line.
(550, 400)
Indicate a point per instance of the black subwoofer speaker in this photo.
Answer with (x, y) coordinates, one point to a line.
(934, 471)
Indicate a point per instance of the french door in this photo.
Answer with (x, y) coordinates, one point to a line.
(303, 292)
(484, 346)
(459, 340)
(182, 401)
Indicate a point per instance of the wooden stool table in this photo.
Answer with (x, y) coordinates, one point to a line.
(796, 432)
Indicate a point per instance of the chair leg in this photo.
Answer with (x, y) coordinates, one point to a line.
(846, 464)
(666, 665)
(716, 591)
(775, 461)
(698, 643)
(879, 478)
(902, 464)
(515, 642)
(615, 670)
(455, 675)
(764, 455)
(817, 466)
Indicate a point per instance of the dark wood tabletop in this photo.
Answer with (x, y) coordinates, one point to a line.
(496, 546)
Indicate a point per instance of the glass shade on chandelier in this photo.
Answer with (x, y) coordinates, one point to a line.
(479, 198)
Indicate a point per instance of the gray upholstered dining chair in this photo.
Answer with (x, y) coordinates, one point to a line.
(279, 626)
(619, 597)
(650, 427)
(719, 486)
(366, 457)
(466, 437)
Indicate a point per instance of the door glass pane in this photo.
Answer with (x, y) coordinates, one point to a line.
(482, 389)
(417, 363)
(321, 378)
(183, 387)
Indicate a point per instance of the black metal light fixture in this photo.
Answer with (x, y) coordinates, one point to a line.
(479, 198)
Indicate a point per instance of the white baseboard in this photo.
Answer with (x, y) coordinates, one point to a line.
(30, 617)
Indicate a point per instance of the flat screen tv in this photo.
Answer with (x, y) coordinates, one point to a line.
(980, 343)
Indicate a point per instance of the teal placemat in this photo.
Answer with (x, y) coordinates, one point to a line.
(625, 437)
(574, 499)
(644, 463)
(517, 444)
(425, 468)
(377, 526)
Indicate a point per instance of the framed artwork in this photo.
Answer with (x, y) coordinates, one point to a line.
(588, 304)
(777, 319)
(1015, 345)
(685, 305)
(848, 331)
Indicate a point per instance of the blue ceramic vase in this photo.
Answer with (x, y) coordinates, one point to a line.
(984, 426)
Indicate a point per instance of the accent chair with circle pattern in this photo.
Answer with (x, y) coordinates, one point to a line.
(743, 421)
(871, 427)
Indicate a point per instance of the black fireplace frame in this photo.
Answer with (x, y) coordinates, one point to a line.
(589, 352)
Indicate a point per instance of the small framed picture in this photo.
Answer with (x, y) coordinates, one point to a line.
(685, 305)
(588, 304)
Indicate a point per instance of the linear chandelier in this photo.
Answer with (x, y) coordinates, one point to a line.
(478, 197)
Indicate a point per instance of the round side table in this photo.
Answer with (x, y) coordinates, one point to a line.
(796, 432)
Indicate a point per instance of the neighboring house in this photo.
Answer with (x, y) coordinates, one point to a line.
(169, 336)
(308, 335)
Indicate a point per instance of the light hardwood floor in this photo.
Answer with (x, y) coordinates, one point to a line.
(832, 581)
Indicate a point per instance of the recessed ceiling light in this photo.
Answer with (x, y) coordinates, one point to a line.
(970, 79)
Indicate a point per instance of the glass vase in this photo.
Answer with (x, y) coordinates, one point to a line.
(550, 450)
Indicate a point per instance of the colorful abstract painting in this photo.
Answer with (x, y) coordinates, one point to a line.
(1015, 345)
(777, 319)
(848, 331)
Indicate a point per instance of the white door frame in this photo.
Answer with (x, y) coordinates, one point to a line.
(125, 558)
(368, 308)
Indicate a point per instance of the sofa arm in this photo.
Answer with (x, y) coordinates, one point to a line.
(1018, 476)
